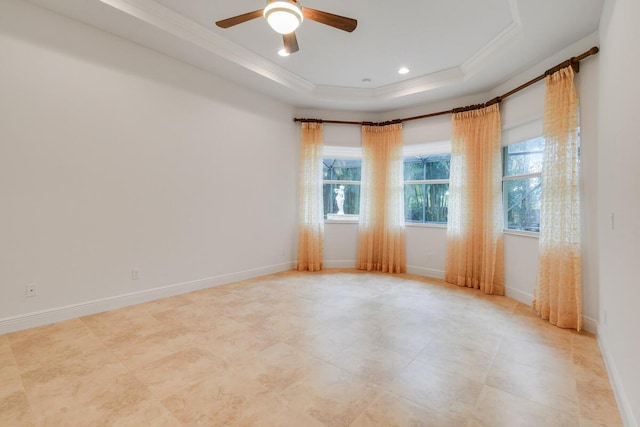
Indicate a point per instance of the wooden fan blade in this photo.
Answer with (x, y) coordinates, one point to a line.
(230, 22)
(336, 21)
(290, 43)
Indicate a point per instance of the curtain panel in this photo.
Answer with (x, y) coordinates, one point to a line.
(475, 253)
(381, 238)
(558, 293)
(311, 210)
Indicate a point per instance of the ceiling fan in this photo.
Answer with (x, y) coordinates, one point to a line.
(284, 16)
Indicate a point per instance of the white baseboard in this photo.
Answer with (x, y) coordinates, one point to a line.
(588, 324)
(339, 264)
(426, 272)
(626, 412)
(58, 314)
(518, 295)
(420, 271)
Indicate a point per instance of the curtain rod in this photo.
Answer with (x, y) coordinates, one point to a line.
(574, 62)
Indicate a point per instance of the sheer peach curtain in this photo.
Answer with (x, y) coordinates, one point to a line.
(558, 293)
(475, 254)
(381, 241)
(311, 213)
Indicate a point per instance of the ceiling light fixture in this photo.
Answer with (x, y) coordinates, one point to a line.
(403, 70)
(283, 52)
(283, 16)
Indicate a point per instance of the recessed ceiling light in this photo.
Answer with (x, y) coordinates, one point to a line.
(366, 80)
(403, 70)
(283, 52)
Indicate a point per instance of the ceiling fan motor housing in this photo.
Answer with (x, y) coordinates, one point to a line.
(283, 16)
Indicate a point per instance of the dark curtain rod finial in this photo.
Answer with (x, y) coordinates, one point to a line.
(574, 62)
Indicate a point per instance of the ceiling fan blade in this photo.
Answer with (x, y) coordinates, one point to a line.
(230, 22)
(290, 42)
(336, 21)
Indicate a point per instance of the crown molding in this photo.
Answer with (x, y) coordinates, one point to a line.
(176, 25)
(511, 33)
(421, 84)
(165, 19)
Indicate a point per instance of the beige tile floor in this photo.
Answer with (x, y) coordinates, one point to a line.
(337, 348)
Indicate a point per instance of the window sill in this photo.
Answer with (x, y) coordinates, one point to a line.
(531, 234)
(425, 225)
(339, 221)
(342, 219)
(407, 224)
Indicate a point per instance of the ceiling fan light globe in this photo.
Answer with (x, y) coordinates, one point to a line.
(283, 16)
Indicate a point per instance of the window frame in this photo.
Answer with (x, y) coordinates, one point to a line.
(432, 148)
(341, 182)
(508, 178)
(430, 224)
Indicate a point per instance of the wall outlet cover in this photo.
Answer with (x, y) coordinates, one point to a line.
(31, 290)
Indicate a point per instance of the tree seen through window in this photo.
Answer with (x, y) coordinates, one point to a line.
(426, 188)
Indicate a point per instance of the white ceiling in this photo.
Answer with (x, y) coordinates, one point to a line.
(452, 47)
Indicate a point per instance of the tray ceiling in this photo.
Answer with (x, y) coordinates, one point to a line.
(452, 48)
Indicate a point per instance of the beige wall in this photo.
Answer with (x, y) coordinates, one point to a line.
(619, 194)
(113, 156)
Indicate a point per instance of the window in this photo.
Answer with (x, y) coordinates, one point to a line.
(426, 188)
(341, 188)
(521, 184)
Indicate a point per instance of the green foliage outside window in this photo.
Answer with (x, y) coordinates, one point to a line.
(426, 189)
(522, 184)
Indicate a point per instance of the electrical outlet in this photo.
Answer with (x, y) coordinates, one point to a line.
(31, 290)
(136, 274)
